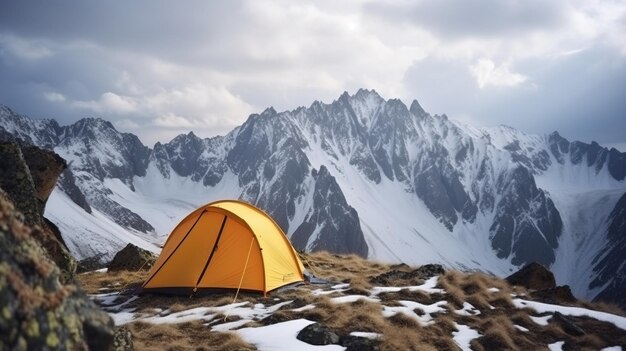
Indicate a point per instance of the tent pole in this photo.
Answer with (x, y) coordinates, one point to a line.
(242, 274)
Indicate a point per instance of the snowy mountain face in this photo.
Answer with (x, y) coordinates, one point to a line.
(360, 175)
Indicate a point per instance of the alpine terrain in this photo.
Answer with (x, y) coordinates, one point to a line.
(360, 175)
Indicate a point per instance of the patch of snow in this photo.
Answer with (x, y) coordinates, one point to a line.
(122, 317)
(206, 314)
(519, 327)
(612, 348)
(493, 290)
(368, 335)
(230, 325)
(282, 337)
(408, 309)
(543, 321)
(352, 298)
(428, 287)
(319, 292)
(467, 310)
(464, 336)
(557, 346)
(304, 308)
(540, 307)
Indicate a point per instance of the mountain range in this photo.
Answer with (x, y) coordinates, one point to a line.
(361, 175)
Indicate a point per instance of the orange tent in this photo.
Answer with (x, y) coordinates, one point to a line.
(225, 245)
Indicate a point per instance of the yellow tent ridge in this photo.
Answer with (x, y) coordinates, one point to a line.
(226, 244)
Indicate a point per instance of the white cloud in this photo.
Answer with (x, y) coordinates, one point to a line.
(171, 120)
(109, 103)
(488, 74)
(54, 97)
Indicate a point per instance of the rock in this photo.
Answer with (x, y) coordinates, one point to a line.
(45, 167)
(317, 334)
(123, 340)
(28, 179)
(356, 343)
(132, 258)
(533, 276)
(558, 295)
(568, 324)
(16, 180)
(39, 312)
(401, 267)
(414, 276)
(92, 263)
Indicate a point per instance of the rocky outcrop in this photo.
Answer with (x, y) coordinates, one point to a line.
(132, 258)
(335, 223)
(560, 295)
(527, 225)
(317, 334)
(397, 277)
(39, 312)
(16, 180)
(356, 343)
(28, 175)
(45, 168)
(533, 276)
(609, 263)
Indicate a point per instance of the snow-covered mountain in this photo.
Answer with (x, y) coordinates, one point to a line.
(360, 175)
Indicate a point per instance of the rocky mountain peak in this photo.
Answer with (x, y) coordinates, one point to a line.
(270, 111)
(417, 109)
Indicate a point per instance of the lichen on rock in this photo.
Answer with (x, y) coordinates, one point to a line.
(38, 311)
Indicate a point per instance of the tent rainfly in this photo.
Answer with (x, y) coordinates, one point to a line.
(225, 245)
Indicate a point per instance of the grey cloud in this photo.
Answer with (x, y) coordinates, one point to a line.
(459, 18)
(191, 31)
(579, 95)
(250, 56)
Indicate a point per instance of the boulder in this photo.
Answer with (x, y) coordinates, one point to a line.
(559, 295)
(39, 311)
(405, 276)
(92, 263)
(28, 179)
(317, 334)
(132, 258)
(533, 276)
(356, 343)
(45, 167)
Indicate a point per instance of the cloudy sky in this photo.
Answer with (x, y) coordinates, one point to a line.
(159, 68)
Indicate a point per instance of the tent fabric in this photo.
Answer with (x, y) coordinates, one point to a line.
(210, 247)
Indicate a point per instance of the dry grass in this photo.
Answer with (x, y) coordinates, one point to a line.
(101, 282)
(360, 315)
(399, 338)
(185, 336)
(439, 334)
(342, 268)
(452, 282)
(496, 322)
(388, 298)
